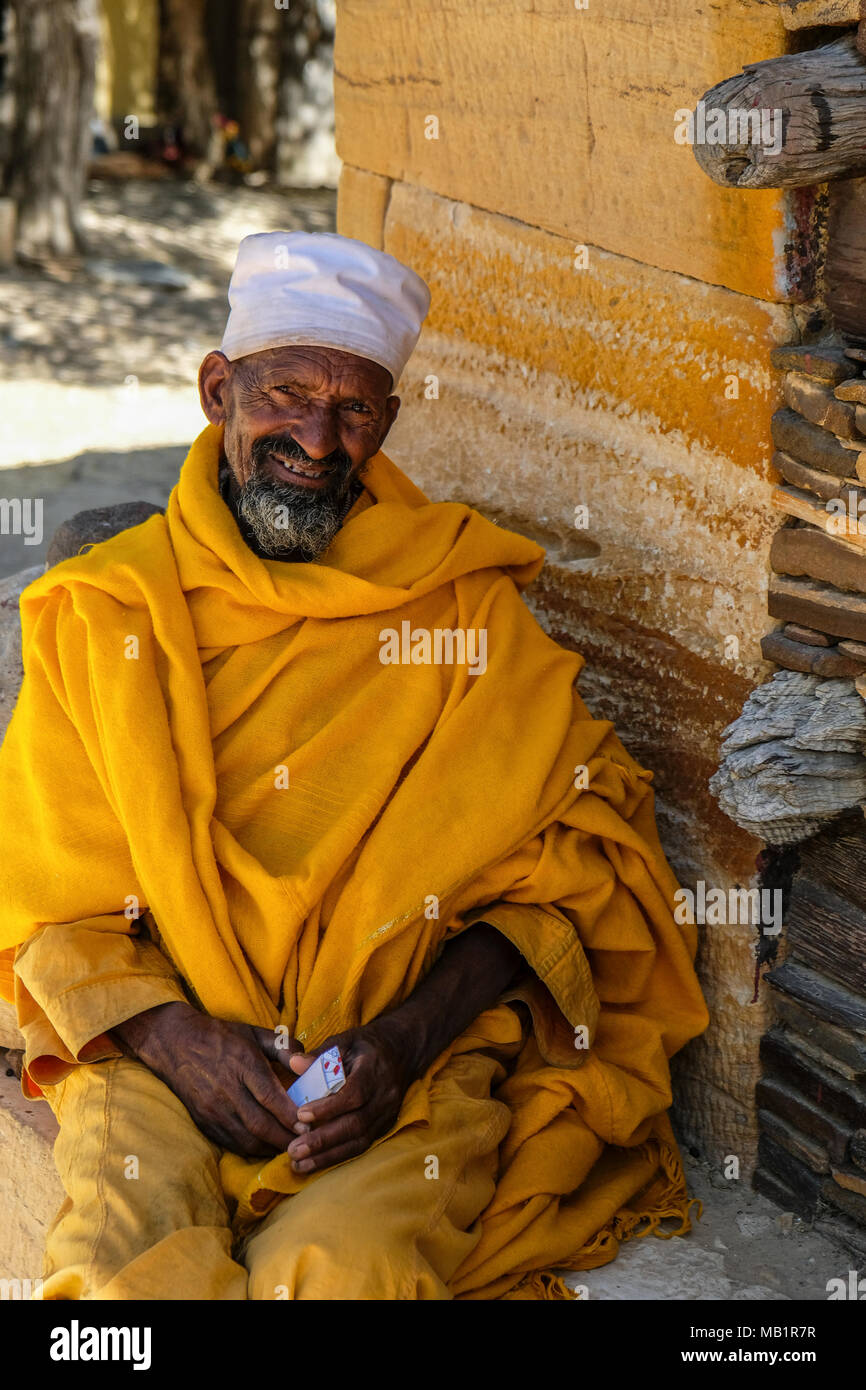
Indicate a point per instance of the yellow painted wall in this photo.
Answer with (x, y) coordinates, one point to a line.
(599, 337)
(126, 75)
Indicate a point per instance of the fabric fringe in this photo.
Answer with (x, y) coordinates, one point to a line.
(666, 1199)
(541, 1284)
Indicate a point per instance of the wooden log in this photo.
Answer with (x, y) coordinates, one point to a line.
(845, 1198)
(857, 1148)
(827, 933)
(840, 1097)
(810, 444)
(780, 1099)
(836, 858)
(845, 262)
(808, 14)
(860, 419)
(797, 656)
(800, 1146)
(808, 635)
(816, 401)
(787, 122)
(802, 550)
(770, 1185)
(817, 605)
(794, 1174)
(853, 391)
(824, 485)
(824, 361)
(850, 1180)
(841, 520)
(830, 1002)
(815, 1036)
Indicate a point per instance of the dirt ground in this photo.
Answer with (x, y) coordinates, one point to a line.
(98, 370)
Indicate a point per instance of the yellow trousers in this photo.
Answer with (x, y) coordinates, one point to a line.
(145, 1216)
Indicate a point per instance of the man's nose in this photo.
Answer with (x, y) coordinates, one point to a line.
(316, 432)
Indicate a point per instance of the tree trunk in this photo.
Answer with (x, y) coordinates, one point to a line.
(259, 51)
(187, 95)
(55, 68)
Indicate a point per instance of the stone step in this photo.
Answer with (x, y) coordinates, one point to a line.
(30, 1190)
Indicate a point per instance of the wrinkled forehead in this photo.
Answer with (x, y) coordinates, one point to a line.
(317, 369)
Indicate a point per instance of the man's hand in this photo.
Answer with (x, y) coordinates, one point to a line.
(379, 1071)
(222, 1073)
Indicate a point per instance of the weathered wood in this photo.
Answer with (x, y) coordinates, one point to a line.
(793, 1173)
(845, 262)
(827, 933)
(844, 520)
(770, 1185)
(824, 361)
(804, 551)
(800, 1146)
(808, 635)
(810, 444)
(818, 605)
(808, 14)
(819, 94)
(844, 1196)
(824, 485)
(855, 649)
(816, 401)
(831, 1002)
(834, 1093)
(798, 656)
(857, 1148)
(836, 858)
(853, 391)
(780, 1099)
(846, 1047)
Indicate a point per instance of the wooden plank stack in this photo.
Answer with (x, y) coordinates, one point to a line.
(819, 557)
(812, 1093)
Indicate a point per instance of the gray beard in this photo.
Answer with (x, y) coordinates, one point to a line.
(283, 518)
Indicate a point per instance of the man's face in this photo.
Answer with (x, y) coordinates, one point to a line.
(300, 425)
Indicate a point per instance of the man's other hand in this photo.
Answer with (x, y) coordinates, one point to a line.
(379, 1071)
(222, 1073)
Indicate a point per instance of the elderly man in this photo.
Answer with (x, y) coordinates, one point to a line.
(294, 767)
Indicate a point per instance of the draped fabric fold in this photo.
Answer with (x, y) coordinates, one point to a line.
(216, 740)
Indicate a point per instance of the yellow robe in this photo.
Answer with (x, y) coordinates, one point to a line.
(213, 741)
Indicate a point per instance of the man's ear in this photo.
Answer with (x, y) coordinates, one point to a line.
(213, 375)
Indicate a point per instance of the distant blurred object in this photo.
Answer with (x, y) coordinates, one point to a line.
(237, 90)
(55, 49)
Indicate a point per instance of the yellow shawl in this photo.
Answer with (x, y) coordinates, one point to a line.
(228, 750)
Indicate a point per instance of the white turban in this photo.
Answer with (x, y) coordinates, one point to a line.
(323, 290)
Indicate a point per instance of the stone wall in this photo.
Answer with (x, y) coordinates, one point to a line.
(595, 373)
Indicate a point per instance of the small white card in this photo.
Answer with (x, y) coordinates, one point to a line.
(323, 1078)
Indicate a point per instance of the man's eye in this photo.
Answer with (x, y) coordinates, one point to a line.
(359, 408)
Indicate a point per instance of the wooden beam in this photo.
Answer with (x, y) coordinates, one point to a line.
(818, 605)
(845, 263)
(801, 550)
(846, 525)
(788, 122)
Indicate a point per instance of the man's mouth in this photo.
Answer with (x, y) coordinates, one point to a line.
(308, 472)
